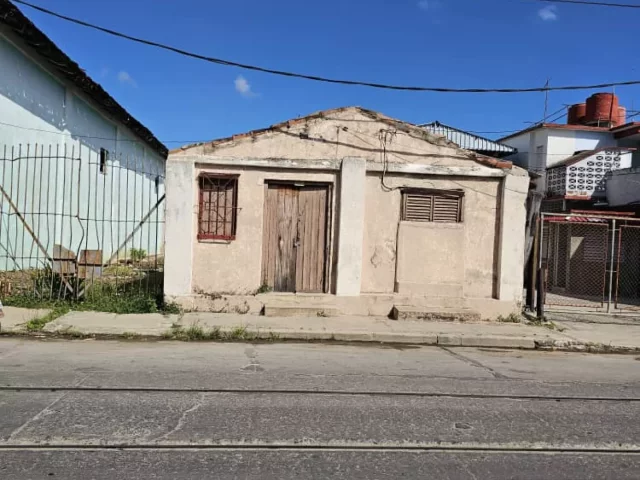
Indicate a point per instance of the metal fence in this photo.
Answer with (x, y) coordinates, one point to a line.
(590, 262)
(78, 220)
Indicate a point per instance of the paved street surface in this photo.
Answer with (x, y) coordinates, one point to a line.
(165, 410)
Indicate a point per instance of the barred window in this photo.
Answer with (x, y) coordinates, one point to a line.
(217, 213)
(439, 206)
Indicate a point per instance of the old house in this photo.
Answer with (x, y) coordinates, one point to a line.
(351, 208)
(77, 171)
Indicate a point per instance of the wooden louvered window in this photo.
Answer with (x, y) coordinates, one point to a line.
(217, 215)
(438, 206)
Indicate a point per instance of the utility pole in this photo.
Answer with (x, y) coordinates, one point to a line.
(546, 100)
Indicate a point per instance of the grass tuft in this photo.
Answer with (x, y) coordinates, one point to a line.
(197, 333)
(511, 318)
(37, 324)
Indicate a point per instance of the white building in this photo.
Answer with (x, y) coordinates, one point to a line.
(76, 169)
(592, 129)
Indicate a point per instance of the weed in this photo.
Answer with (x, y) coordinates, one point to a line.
(37, 324)
(264, 288)
(100, 298)
(130, 335)
(546, 324)
(196, 333)
(137, 254)
(214, 334)
(193, 333)
(29, 301)
(322, 313)
(119, 271)
(511, 318)
(273, 337)
(170, 308)
(75, 334)
(168, 335)
(238, 333)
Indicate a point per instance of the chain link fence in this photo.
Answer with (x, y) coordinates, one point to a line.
(590, 262)
(80, 224)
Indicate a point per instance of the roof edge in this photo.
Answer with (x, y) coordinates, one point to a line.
(45, 49)
(557, 126)
(481, 159)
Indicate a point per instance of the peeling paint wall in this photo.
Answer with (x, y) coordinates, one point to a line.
(477, 234)
(348, 133)
(235, 267)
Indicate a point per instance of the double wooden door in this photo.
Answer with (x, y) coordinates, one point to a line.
(294, 245)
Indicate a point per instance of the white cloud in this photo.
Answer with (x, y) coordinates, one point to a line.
(548, 14)
(425, 4)
(243, 87)
(104, 72)
(124, 77)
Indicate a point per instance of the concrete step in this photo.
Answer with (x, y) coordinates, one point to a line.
(438, 314)
(271, 310)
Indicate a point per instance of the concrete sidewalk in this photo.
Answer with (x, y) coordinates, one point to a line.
(569, 335)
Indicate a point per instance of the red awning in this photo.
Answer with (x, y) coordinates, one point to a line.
(569, 219)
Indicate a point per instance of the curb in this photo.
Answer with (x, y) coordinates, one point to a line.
(274, 336)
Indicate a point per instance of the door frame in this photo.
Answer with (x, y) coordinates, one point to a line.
(328, 226)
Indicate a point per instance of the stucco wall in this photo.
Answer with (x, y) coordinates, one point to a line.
(564, 143)
(464, 256)
(521, 142)
(45, 117)
(432, 249)
(236, 266)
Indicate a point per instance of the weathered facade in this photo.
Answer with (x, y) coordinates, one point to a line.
(350, 203)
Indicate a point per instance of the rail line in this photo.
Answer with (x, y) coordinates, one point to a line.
(355, 393)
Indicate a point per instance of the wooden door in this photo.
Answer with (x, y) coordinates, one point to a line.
(294, 240)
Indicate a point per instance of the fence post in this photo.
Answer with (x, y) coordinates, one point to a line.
(540, 295)
(540, 277)
(533, 266)
(611, 264)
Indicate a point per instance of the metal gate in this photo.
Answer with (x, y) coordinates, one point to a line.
(590, 262)
(77, 219)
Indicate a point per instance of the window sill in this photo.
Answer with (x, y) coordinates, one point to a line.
(434, 225)
(216, 239)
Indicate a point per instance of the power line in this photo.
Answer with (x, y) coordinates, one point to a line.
(230, 63)
(596, 4)
(561, 109)
(114, 139)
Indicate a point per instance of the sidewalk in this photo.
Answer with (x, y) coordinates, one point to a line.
(572, 336)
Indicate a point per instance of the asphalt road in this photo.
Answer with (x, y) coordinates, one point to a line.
(106, 410)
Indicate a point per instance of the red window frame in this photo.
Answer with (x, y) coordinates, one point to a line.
(208, 185)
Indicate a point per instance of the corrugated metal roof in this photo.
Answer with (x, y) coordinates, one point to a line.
(469, 141)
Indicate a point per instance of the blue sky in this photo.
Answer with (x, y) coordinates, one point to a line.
(452, 43)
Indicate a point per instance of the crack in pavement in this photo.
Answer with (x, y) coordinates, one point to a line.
(474, 363)
(46, 410)
(181, 420)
